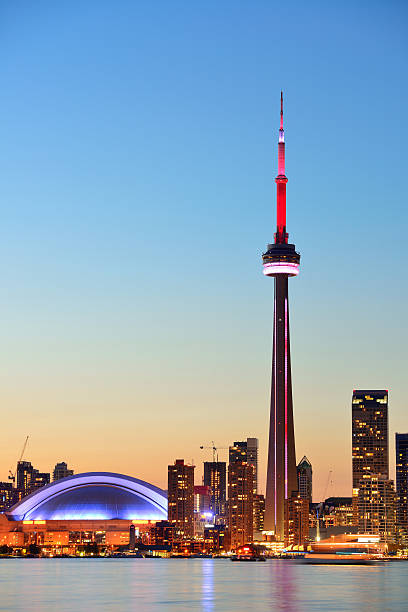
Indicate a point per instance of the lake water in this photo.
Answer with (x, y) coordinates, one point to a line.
(76, 585)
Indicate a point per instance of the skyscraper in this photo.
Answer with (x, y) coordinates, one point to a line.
(401, 452)
(240, 503)
(373, 492)
(305, 474)
(369, 434)
(215, 477)
(280, 262)
(181, 499)
(246, 451)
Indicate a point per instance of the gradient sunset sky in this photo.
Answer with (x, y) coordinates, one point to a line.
(137, 163)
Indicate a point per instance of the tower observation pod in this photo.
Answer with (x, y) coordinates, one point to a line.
(280, 262)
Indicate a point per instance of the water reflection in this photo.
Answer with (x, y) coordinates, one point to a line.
(368, 586)
(283, 586)
(46, 585)
(207, 585)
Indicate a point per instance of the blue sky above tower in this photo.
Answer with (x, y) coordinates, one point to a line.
(137, 179)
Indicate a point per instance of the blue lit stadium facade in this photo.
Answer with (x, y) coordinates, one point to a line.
(93, 495)
(94, 505)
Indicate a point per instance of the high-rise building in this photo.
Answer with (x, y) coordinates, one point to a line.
(401, 452)
(296, 520)
(7, 498)
(215, 477)
(61, 471)
(240, 503)
(304, 476)
(280, 262)
(259, 512)
(246, 451)
(369, 439)
(202, 499)
(369, 434)
(377, 508)
(180, 497)
(24, 476)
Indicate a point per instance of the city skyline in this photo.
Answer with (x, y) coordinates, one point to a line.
(100, 175)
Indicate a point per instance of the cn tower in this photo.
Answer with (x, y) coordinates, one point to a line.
(279, 262)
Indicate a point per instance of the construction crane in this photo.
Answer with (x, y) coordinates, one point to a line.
(12, 475)
(214, 449)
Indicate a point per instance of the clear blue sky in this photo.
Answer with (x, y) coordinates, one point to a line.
(137, 163)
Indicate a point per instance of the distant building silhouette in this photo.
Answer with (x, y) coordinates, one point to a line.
(305, 475)
(61, 471)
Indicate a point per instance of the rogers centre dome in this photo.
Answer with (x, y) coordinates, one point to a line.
(93, 496)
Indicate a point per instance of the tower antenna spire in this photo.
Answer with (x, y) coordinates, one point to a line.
(281, 113)
(281, 180)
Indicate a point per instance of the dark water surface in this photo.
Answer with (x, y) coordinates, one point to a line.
(76, 585)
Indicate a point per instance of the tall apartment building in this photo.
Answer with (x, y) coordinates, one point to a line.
(24, 476)
(180, 497)
(240, 503)
(369, 439)
(377, 508)
(215, 477)
(304, 476)
(246, 450)
(401, 462)
(29, 479)
(61, 471)
(369, 434)
(296, 520)
(259, 512)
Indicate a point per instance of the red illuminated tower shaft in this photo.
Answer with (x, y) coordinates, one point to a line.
(280, 261)
(281, 180)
